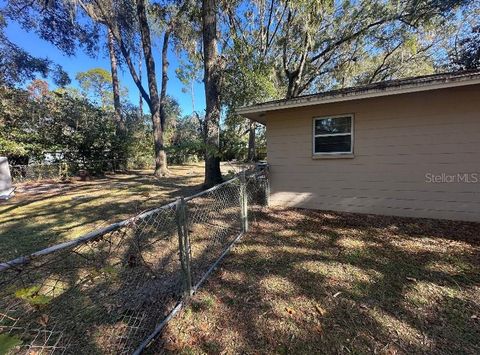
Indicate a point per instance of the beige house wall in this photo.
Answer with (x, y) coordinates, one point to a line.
(397, 141)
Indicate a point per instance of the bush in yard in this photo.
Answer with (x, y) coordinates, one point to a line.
(37, 121)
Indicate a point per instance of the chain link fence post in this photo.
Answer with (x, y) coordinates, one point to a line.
(184, 245)
(267, 190)
(243, 202)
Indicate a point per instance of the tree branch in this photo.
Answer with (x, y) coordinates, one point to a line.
(126, 54)
(379, 68)
(345, 39)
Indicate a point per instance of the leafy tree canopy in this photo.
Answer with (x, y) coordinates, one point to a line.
(467, 53)
(18, 66)
(97, 84)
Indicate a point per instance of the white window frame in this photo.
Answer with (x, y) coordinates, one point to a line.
(332, 135)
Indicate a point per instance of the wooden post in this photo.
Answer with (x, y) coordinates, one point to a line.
(184, 245)
(243, 202)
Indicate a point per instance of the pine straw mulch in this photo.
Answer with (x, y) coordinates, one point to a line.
(339, 283)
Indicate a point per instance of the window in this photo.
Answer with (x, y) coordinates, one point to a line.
(333, 135)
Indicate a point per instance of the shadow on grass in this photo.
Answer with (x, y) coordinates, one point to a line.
(108, 294)
(326, 282)
(103, 296)
(30, 222)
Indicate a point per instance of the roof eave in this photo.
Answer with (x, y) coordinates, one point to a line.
(258, 112)
(255, 115)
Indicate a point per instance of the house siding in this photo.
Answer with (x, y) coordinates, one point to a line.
(397, 141)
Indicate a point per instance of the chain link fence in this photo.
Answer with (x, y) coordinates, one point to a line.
(35, 172)
(64, 170)
(107, 291)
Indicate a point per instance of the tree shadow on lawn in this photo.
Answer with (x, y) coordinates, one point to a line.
(107, 295)
(36, 222)
(104, 296)
(306, 281)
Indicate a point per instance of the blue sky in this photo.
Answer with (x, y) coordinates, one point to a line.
(81, 62)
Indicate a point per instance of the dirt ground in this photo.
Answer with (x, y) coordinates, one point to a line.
(44, 213)
(336, 283)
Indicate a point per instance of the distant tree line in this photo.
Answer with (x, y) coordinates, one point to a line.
(64, 125)
(78, 126)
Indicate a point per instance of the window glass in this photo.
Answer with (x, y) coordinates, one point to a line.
(333, 125)
(331, 144)
(333, 135)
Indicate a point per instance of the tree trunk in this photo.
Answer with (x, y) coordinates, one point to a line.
(163, 91)
(211, 79)
(120, 124)
(160, 154)
(140, 100)
(251, 141)
(294, 83)
(291, 87)
(115, 82)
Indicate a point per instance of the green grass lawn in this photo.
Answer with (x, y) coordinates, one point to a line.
(306, 282)
(46, 213)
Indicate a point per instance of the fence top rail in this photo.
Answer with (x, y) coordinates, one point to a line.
(213, 188)
(66, 162)
(72, 243)
(112, 227)
(216, 187)
(80, 240)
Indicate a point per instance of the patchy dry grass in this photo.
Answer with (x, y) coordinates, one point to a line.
(46, 213)
(313, 282)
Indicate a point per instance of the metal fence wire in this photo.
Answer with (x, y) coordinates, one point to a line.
(32, 172)
(66, 169)
(107, 291)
